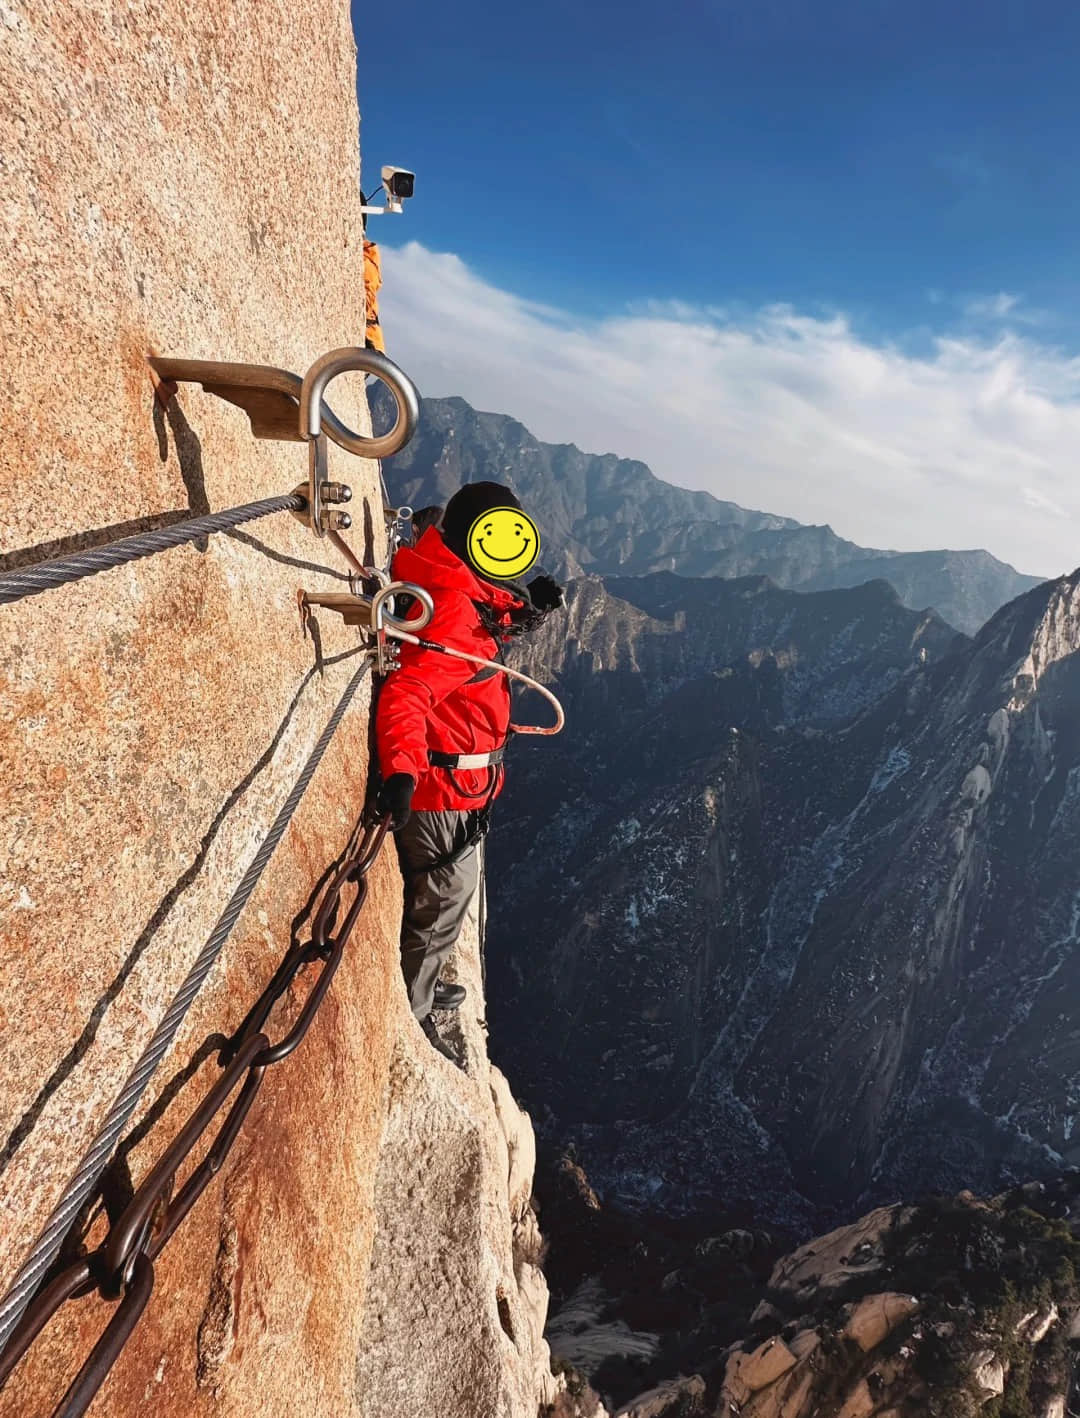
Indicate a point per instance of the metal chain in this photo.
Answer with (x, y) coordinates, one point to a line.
(47, 1246)
(32, 580)
(122, 1267)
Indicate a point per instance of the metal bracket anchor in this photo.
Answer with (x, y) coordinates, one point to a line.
(372, 616)
(282, 405)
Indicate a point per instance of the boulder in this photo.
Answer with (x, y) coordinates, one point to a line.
(988, 1373)
(860, 1402)
(792, 1396)
(766, 1312)
(830, 1262)
(747, 1372)
(804, 1343)
(1037, 1324)
(765, 1364)
(677, 1398)
(874, 1317)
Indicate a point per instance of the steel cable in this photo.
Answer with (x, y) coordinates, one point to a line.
(47, 1246)
(32, 580)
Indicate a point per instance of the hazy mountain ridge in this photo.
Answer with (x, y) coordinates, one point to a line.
(609, 515)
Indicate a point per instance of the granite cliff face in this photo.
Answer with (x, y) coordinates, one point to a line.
(612, 516)
(803, 909)
(186, 182)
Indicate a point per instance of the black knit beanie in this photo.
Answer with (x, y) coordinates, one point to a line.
(466, 505)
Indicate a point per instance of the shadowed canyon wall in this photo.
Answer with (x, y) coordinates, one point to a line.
(185, 182)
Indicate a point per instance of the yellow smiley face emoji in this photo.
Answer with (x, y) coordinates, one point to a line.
(504, 542)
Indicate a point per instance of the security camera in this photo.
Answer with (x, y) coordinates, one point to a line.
(399, 183)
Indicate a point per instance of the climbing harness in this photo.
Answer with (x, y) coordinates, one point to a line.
(466, 760)
(476, 829)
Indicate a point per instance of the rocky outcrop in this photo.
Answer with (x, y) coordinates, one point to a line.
(457, 1302)
(949, 1309)
(185, 181)
(678, 1398)
(981, 1321)
(613, 516)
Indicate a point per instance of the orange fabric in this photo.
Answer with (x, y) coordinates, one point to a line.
(372, 282)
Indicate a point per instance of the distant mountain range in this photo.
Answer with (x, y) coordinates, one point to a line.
(613, 516)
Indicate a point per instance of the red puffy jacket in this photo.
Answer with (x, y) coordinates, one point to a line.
(429, 703)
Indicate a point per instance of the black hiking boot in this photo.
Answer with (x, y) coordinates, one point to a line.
(448, 996)
(438, 1042)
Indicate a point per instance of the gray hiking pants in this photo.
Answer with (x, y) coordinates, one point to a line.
(436, 899)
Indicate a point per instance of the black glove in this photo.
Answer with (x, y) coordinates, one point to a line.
(546, 594)
(395, 799)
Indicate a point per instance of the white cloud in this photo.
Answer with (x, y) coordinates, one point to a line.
(1041, 502)
(992, 307)
(972, 444)
(1006, 307)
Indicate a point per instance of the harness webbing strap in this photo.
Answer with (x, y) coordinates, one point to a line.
(466, 760)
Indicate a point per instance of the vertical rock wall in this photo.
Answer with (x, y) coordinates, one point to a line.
(184, 180)
(457, 1302)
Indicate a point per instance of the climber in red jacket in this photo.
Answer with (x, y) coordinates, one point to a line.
(442, 726)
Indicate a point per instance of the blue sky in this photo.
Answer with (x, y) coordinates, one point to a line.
(858, 153)
(909, 169)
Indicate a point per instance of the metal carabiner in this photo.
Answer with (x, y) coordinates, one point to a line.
(398, 521)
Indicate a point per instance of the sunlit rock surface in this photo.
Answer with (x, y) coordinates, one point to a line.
(457, 1301)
